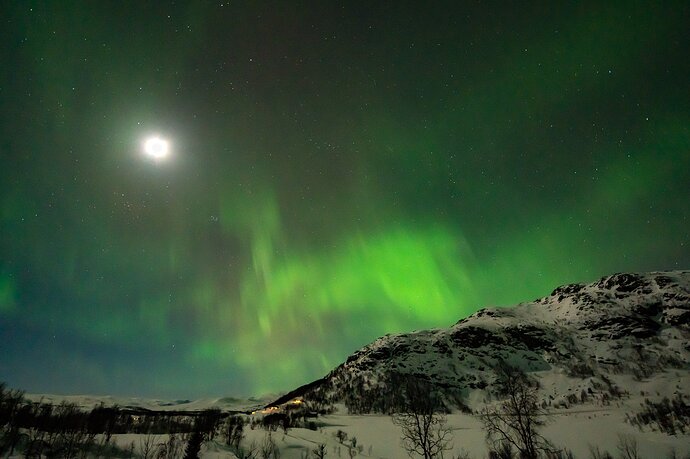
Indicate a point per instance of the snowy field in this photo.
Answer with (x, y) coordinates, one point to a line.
(576, 428)
(377, 437)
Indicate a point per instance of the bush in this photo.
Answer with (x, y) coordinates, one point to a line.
(670, 416)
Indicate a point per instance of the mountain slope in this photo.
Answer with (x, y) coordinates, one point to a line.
(588, 342)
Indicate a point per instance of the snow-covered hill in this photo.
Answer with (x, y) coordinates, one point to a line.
(624, 334)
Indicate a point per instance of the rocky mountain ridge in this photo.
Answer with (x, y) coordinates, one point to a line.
(593, 341)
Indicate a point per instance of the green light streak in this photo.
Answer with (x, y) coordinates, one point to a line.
(7, 295)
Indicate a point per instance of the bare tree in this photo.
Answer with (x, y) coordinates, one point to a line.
(38, 433)
(234, 431)
(516, 420)
(423, 425)
(173, 447)
(320, 451)
(193, 445)
(35, 442)
(148, 446)
(627, 447)
(268, 448)
(11, 402)
(250, 452)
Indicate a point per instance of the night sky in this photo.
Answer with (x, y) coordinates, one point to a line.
(337, 171)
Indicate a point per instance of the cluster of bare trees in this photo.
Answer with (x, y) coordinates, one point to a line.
(154, 446)
(233, 434)
(11, 402)
(39, 429)
(671, 416)
(512, 427)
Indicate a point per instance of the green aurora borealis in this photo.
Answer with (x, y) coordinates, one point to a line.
(339, 171)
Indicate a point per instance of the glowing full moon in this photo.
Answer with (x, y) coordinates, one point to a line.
(156, 147)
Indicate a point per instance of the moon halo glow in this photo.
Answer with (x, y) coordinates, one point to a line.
(156, 147)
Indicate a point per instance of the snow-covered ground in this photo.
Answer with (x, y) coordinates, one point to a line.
(576, 429)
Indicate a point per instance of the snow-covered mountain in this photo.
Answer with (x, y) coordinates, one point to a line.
(625, 333)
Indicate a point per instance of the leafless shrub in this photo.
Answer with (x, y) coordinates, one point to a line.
(249, 452)
(320, 451)
(233, 431)
(148, 446)
(596, 453)
(268, 448)
(627, 447)
(502, 451)
(559, 454)
(670, 416)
